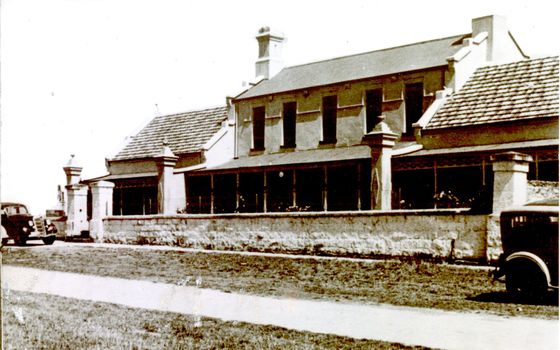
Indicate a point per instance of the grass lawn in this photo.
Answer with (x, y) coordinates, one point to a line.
(398, 282)
(39, 321)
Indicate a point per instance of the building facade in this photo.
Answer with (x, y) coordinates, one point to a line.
(361, 131)
(409, 127)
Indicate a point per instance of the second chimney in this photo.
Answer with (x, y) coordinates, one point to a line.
(499, 41)
(270, 60)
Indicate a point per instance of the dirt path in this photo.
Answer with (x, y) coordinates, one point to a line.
(411, 326)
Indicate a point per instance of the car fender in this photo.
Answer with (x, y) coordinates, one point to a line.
(4, 233)
(533, 258)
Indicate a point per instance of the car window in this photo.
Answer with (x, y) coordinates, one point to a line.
(22, 210)
(16, 209)
(10, 210)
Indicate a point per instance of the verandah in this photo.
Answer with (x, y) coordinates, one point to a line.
(332, 187)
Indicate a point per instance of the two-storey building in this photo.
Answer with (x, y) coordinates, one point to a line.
(371, 131)
(414, 126)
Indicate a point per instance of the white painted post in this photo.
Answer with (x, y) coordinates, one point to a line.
(165, 161)
(381, 140)
(510, 179)
(76, 209)
(102, 206)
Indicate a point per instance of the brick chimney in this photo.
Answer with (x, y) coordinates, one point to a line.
(499, 40)
(270, 60)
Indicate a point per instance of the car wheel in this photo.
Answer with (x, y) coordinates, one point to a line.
(525, 280)
(49, 240)
(20, 241)
(4, 241)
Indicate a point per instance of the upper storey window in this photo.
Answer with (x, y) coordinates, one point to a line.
(289, 124)
(329, 119)
(258, 128)
(413, 100)
(374, 100)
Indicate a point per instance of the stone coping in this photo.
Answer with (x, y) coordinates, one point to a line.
(415, 212)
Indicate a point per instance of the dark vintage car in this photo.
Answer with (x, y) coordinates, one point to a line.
(18, 224)
(530, 244)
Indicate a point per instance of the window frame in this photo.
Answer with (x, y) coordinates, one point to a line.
(408, 130)
(289, 131)
(328, 136)
(369, 123)
(259, 130)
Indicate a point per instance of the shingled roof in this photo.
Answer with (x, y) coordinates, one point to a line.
(422, 55)
(521, 90)
(185, 133)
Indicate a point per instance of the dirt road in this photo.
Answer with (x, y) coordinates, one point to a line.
(411, 326)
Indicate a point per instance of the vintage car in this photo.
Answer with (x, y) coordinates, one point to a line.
(530, 243)
(18, 224)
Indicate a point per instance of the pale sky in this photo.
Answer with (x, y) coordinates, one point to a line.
(78, 76)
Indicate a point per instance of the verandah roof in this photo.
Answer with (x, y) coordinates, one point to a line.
(296, 158)
(501, 147)
(363, 152)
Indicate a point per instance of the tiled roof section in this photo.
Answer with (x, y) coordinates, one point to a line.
(411, 57)
(516, 91)
(185, 133)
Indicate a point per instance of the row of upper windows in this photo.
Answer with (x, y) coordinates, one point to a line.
(413, 98)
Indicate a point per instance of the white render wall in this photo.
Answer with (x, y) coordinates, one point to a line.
(219, 149)
(178, 197)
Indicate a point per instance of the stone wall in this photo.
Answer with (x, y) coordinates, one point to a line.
(541, 189)
(493, 238)
(433, 233)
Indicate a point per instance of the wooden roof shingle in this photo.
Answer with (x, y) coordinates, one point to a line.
(520, 90)
(185, 133)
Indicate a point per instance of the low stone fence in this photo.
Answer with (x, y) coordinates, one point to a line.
(541, 190)
(429, 233)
